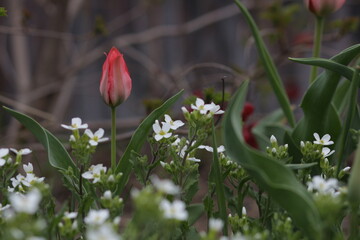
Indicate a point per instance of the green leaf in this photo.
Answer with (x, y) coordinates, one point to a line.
(195, 211)
(319, 115)
(58, 156)
(327, 64)
(271, 175)
(301, 165)
(271, 71)
(138, 139)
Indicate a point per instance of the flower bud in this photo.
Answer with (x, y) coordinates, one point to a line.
(115, 83)
(322, 8)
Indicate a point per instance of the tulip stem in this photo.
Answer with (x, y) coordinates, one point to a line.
(319, 28)
(113, 138)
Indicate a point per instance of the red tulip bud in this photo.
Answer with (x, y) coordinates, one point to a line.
(115, 83)
(322, 8)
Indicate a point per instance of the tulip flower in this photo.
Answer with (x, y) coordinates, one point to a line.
(115, 83)
(115, 88)
(323, 7)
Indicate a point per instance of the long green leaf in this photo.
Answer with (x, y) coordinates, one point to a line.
(319, 114)
(57, 154)
(138, 139)
(344, 137)
(327, 64)
(269, 66)
(271, 175)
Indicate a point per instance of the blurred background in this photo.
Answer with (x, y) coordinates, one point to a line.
(53, 51)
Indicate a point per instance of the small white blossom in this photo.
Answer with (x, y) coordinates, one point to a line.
(72, 138)
(96, 137)
(325, 140)
(243, 211)
(174, 210)
(216, 224)
(94, 172)
(117, 220)
(35, 238)
(184, 110)
(28, 203)
(107, 194)
(326, 152)
(28, 168)
(103, 232)
(215, 109)
(173, 124)
(346, 169)
(24, 151)
(161, 132)
(3, 208)
(70, 215)
(201, 106)
(273, 139)
(302, 144)
(220, 149)
(166, 186)
(97, 217)
(3, 153)
(76, 124)
(183, 152)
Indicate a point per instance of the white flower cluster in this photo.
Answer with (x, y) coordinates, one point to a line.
(99, 226)
(21, 182)
(94, 138)
(5, 154)
(321, 186)
(324, 141)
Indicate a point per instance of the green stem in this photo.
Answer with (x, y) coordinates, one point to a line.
(319, 28)
(354, 223)
(113, 138)
(219, 185)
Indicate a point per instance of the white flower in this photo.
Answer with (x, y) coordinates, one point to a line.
(96, 137)
(346, 169)
(70, 215)
(76, 124)
(243, 211)
(3, 153)
(216, 224)
(326, 152)
(220, 149)
(24, 151)
(325, 140)
(201, 106)
(35, 238)
(28, 203)
(107, 194)
(176, 142)
(302, 144)
(72, 138)
(174, 210)
(184, 110)
(215, 109)
(173, 124)
(103, 232)
(161, 132)
(166, 186)
(94, 172)
(3, 208)
(183, 152)
(273, 139)
(322, 186)
(28, 168)
(97, 217)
